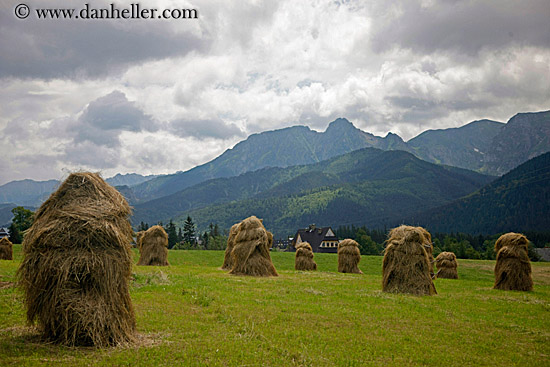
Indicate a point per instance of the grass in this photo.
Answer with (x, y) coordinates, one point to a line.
(192, 313)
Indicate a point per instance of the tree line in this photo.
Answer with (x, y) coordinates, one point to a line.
(464, 246)
(186, 238)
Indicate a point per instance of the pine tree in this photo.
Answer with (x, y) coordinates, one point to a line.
(172, 234)
(189, 231)
(180, 235)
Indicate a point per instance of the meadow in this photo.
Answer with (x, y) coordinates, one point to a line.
(192, 313)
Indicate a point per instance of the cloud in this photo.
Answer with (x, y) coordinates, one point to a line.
(205, 129)
(60, 48)
(105, 118)
(461, 27)
(163, 96)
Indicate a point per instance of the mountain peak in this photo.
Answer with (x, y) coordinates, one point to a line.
(340, 123)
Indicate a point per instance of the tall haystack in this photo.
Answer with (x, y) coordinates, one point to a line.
(304, 257)
(154, 247)
(446, 265)
(77, 263)
(513, 267)
(139, 236)
(349, 257)
(228, 260)
(250, 254)
(405, 267)
(6, 249)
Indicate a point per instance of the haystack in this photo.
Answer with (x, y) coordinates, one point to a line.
(77, 263)
(139, 236)
(349, 257)
(6, 249)
(428, 246)
(250, 254)
(405, 267)
(513, 267)
(154, 247)
(446, 265)
(228, 260)
(304, 257)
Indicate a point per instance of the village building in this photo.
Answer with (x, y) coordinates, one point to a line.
(321, 239)
(4, 233)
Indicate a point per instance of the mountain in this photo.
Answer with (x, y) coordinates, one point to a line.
(463, 147)
(367, 186)
(129, 179)
(27, 192)
(290, 146)
(33, 193)
(525, 136)
(518, 201)
(5, 214)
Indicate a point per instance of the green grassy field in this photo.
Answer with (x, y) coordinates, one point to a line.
(192, 313)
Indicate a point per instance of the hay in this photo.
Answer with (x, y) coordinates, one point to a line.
(428, 246)
(269, 240)
(139, 236)
(228, 260)
(446, 265)
(405, 267)
(304, 257)
(251, 252)
(6, 249)
(154, 247)
(77, 263)
(349, 257)
(513, 267)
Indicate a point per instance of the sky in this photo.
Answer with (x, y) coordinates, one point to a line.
(156, 96)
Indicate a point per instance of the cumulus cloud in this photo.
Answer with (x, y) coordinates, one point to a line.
(105, 118)
(163, 96)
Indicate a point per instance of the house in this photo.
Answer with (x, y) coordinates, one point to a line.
(320, 239)
(4, 233)
(281, 244)
(544, 253)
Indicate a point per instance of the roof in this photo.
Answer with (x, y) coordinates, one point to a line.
(314, 236)
(4, 232)
(544, 253)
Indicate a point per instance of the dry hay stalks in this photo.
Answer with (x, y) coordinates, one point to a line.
(349, 257)
(446, 265)
(139, 237)
(304, 257)
(405, 267)
(428, 246)
(154, 247)
(6, 249)
(250, 254)
(77, 264)
(513, 267)
(228, 260)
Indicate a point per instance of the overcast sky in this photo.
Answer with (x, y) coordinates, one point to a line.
(159, 96)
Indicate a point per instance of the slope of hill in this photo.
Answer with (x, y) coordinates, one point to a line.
(368, 186)
(291, 146)
(464, 146)
(525, 136)
(33, 193)
(27, 192)
(5, 214)
(518, 201)
(129, 179)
